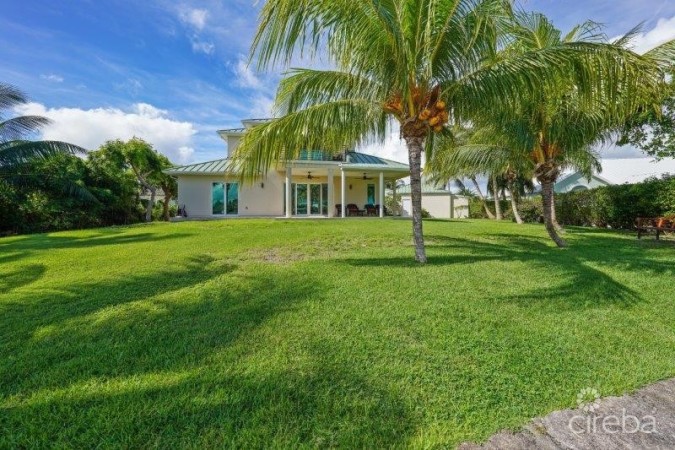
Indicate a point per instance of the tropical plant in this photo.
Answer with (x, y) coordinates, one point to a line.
(558, 126)
(411, 61)
(653, 129)
(146, 164)
(16, 148)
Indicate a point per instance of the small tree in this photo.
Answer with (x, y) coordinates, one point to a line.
(145, 163)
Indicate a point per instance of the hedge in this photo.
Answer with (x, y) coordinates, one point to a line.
(608, 206)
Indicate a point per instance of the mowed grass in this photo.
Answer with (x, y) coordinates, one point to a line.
(271, 333)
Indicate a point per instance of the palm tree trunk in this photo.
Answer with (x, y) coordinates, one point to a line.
(482, 198)
(554, 217)
(514, 204)
(415, 146)
(495, 194)
(547, 197)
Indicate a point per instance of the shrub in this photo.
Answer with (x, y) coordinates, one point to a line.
(608, 206)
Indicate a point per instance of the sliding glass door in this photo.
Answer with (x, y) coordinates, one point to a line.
(310, 199)
(301, 199)
(225, 199)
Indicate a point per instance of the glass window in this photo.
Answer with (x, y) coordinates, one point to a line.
(301, 199)
(218, 198)
(232, 198)
(371, 194)
(324, 199)
(315, 198)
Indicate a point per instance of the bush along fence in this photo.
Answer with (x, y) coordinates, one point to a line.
(608, 206)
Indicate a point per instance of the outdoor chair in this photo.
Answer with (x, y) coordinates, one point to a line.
(353, 210)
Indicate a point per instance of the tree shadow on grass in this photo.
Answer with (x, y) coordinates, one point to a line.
(323, 407)
(168, 320)
(574, 282)
(20, 277)
(49, 242)
(156, 360)
(18, 249)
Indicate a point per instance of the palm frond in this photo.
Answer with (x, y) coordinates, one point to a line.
(332, 127)
(302, 88)
(17, 127)
(18, 152)
(11, 96)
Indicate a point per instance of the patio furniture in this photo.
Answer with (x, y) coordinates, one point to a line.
(371, 210)
(658, 224)
(353, 210)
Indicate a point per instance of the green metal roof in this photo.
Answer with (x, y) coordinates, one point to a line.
(355, 161)
(363, 159)
(427, 188)
(219, 166)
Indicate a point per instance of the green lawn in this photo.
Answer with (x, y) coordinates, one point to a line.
(263, 333)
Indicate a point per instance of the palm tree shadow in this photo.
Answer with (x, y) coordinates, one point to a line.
(326, 406)
(19, 249)
(157, 336)
(204, 303)
(23, 276)
(578, 284)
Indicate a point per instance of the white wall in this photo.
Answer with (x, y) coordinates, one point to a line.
(439, 206)
(232, 144)
(255, 200)
(194, 191)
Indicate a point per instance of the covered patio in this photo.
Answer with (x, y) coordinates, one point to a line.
(339, 189)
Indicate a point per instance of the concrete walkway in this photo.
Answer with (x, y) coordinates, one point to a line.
(643, 420)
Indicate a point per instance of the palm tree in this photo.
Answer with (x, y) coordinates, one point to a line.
(415, 62)
(548, 130)
(560, 125)
(15, 148)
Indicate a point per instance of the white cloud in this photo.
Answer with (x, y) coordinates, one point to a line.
(245, 77)
(261, 106)
(52, 77)
(194, 17)
(634, 170)
(199, 46)
(90, 128)
(661, 33)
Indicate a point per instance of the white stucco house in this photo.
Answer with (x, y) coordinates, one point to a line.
(315, 184)
(576, 182)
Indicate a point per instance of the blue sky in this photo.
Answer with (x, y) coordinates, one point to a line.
(174, 72)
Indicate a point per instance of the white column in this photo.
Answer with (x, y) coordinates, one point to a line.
(381, 194)
(289, 180)
(331, 193)
(343, 191)
(393, 193)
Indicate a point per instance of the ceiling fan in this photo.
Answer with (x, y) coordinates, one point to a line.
(365, 176)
